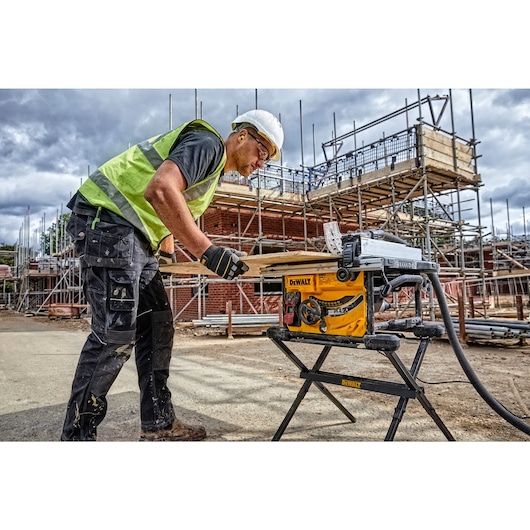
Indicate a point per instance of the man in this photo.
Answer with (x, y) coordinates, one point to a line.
(151, 193)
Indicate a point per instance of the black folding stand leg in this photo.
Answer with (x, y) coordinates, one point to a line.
(292, 410)
(420, 395)
(305, 387)
(403, 401)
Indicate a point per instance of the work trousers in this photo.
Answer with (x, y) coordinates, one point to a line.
(130, 309)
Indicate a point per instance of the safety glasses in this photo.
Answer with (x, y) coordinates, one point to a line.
(263, 151)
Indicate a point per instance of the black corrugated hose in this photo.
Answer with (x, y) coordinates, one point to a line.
(499, 408)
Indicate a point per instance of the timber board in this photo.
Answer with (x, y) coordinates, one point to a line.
(258, 263)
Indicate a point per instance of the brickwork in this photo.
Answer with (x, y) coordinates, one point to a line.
(223, 221)
(218, 294)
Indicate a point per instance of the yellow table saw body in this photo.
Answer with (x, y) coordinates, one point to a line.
(340, 307)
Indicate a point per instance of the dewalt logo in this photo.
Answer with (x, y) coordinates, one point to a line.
(351, 384)
(297, 282)
(302, 283)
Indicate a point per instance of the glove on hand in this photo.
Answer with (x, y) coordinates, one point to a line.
(224, 262)
(165, 258)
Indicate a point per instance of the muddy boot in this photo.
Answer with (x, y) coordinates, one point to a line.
(178, 432)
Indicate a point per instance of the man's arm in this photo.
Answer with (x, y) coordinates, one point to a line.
(164, 193)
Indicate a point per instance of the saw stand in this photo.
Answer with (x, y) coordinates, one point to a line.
(387, 344)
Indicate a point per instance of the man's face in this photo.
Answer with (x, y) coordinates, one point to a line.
(252, 152)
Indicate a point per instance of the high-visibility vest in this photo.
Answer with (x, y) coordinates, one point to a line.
(119, 184)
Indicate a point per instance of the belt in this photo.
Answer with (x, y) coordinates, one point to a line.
(102, 214)
(91, 212)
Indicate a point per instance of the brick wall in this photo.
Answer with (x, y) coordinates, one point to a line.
(218, 294)
(224, 221)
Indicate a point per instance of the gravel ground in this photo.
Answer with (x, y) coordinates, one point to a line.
(241, 388)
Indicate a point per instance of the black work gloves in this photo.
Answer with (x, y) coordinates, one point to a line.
(165, 258)
(225, 262)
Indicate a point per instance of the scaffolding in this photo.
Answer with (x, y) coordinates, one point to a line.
(415, 182)
(43, 281)
(416, 179)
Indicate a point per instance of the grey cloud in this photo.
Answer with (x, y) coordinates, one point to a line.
(49, 138)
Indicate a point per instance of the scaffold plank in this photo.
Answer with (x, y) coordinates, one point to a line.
(257, 263)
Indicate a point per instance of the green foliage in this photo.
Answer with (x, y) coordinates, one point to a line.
(54, 233)
(7, 259)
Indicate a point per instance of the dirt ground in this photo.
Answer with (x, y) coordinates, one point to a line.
(241, 388)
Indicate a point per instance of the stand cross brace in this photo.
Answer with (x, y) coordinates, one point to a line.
(409, 390)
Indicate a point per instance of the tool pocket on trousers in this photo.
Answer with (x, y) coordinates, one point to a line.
(121, 296)
(109, 245)
(76, 228)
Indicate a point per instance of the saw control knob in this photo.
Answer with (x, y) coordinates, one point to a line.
(343, 274)
(346, 275)
(310, 311)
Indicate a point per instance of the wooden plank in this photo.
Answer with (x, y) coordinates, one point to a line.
(256, 263)
(300, 269)
(439, 148)
(371, 178)
(445, 143)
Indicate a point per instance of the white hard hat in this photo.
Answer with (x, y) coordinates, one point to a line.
(267, 126)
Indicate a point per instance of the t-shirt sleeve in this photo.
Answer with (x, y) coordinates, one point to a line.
(197, 154)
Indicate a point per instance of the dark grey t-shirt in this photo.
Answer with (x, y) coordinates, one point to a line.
(197, 154)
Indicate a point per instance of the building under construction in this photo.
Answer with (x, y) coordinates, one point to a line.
(415, 181)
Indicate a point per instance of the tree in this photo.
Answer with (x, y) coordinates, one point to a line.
(54, 234)
(7, 258)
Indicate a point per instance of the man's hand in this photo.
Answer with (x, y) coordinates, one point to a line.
(166, 258)
(225, 262)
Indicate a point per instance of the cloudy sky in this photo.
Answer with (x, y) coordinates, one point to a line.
(51, 138)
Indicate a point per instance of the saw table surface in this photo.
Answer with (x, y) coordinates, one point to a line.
(262, 264)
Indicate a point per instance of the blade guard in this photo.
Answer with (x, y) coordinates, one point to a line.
(333, 238)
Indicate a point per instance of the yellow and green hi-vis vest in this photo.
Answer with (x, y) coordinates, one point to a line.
(119, 184)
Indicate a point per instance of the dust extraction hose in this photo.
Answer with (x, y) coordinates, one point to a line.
(500, 409)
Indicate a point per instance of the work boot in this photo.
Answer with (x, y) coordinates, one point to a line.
(178, 432)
